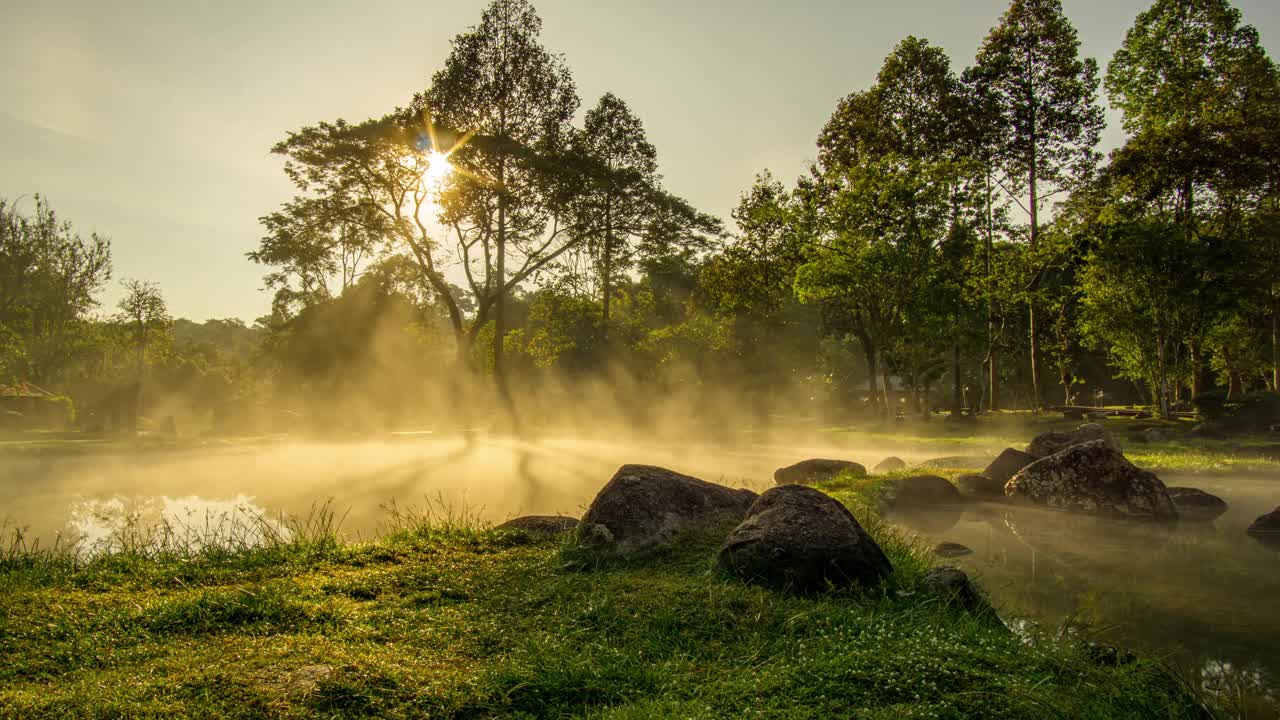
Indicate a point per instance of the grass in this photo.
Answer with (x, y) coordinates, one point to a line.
(443, 618)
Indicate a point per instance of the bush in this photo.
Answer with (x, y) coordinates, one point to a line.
(1250, 411)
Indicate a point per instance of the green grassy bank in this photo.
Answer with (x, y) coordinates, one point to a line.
(444, 619)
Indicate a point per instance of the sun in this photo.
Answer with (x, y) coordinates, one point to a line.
(437, 173)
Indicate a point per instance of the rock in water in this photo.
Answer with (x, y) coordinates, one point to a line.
(951, 550)
(921, 491)
(952, 585)
(888, 465)
(1006, 465)
(1093, 477)
(796, 537)
(541, 525)
(1196, 504)
(1051, 443)
(807, 472)
(645, 506)
(1266, 529)
(979, 485)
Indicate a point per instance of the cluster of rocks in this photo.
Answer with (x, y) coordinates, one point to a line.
(791, 537)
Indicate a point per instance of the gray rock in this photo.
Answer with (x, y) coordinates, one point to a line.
(1053, 442)
(979, 485)
(1007, 464)
(1266, 529)
(807, 472)
(1196, 505)
(1206, 431)
(306, 679)
(1093, 477)
(542, 526)
(645, 506)
(798, 538)
(953, 586)
(1155, 435)
(951, 550)
(888, 465)
(921, 491)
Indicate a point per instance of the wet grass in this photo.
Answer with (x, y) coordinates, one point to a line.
(443, 618)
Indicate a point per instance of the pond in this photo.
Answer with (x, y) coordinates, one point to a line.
(1201, 596)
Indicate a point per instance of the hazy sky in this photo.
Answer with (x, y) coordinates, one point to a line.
(151, 121)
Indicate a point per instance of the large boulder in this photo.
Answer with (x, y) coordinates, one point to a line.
(1195, 504)
(798, 538)
(921, 491)
(541, 526)
(645, 506)
(888, 465)
(807, 472)
(1093, 477)
(979, 485)
(1053, 442)
(1266, 529)
(1007, 464)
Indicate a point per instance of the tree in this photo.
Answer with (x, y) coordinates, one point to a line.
(516, 100)
(882, 199)
(144, 315)
(1030, 71)
(619, 195)
(49, 280)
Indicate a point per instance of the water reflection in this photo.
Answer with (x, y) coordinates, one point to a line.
(166, 524)
(1199, 595)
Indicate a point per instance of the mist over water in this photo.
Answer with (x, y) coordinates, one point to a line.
(1201, 596)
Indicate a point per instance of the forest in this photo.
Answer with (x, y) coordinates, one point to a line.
(959, 244)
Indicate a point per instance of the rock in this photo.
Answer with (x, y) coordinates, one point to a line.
(1073, 414)
(645, 506)
(1266, 529)
(1142, 415)
(1093, 477)
(541, 526)
(1155, 435)
(807, 472)
(953, 586)
(955, 462)
(1205, 431)
(888, 465)
(921, 491)
(979, 485)
(1196, 505)
(1097, 415)
(951, 550)
(1053, 442)
(1006, 465)
(796, 537)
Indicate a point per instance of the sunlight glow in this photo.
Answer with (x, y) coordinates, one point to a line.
(437, 173)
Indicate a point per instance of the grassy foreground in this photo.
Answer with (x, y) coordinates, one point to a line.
(446, 620)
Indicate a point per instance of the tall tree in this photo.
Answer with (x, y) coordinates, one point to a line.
(501, 86)
(1030, 69)
(882, 199)
(145, 317)
(619, 194)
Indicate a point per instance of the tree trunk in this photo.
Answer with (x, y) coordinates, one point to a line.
(1275, 344)
(873, 371)
(957, 391)
(1162, 386)
(993, 400)
(1035, 357)
(891, 412)
(1197, 371)
(607, 280)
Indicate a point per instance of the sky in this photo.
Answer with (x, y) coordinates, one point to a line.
(151, 121)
